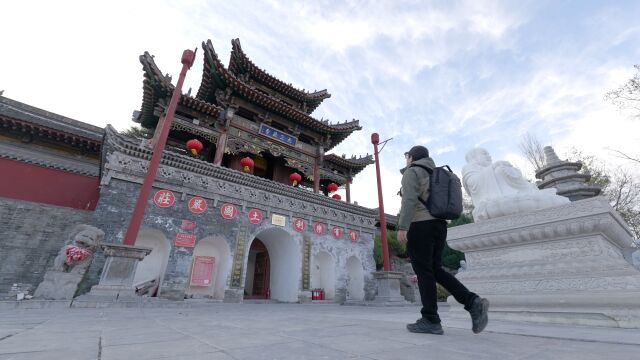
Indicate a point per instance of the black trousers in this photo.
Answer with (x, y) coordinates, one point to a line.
(426, 240)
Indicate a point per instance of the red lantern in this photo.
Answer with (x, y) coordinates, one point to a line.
(295, 178)
(332, 187)
(246, 163)
(195, 146)
(337, 196)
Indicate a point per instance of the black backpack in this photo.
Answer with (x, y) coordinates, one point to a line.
(445, 196)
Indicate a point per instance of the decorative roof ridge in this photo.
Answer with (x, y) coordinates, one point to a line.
(131, 147)
(48, 119)
(277, 105)
(299, 94)
(361, 161)
(153, 73)
(47, 160)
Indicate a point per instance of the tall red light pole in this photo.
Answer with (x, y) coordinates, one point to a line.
(188, 57)
(375, 140)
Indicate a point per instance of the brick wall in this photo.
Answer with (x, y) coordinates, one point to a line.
(31, 234)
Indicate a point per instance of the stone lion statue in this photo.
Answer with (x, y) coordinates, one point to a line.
(79, 248)
(62, 279)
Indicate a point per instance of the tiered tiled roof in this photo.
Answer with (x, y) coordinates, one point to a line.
(157, 86)
(216, 76)
(355, 164)
(239, 63)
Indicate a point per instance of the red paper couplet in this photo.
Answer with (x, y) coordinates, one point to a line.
(197, 205)
(228, 211)
(255, 216)
(164, 198)
(202, 272)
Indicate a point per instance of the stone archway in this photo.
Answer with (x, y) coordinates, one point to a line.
(285, 263)
(355, 282)
(323, 274)
(217, 248)
(154, 265)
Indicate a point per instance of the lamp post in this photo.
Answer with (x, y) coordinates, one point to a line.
(375, 140)
(188, 57)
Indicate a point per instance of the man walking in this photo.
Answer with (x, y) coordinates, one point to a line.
(425, 237)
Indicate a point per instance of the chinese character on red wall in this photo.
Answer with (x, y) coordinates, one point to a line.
(164, 198)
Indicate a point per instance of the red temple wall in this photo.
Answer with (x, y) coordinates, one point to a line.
(55, 187)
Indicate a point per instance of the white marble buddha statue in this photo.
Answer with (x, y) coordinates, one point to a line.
(499, 189)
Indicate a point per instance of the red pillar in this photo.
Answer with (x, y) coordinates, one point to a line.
(220, 146)
(316, 176)
(188, 57)
(348, 189)
(375, 139)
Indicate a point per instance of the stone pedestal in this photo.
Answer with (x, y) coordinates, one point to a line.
(58, 285)
(557, 265)
(116, 281)
(389, 288)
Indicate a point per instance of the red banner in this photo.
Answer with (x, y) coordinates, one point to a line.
(202, 272)
(185, 240)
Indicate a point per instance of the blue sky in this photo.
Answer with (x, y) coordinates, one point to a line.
(449, 75)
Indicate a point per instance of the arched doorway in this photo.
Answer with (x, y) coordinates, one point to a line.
(284, 257)
(150, 271)
(212, 252)
(323, 274)
(257, 281)
(355, 282)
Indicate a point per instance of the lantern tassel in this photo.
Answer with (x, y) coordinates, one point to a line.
(194, 152)
(246, 169)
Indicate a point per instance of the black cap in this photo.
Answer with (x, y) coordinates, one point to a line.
(417, 152)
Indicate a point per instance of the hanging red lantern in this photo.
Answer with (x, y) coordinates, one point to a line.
(195, 146)
(332, 187)
(246, 163)
(295, 178)
(337, 197)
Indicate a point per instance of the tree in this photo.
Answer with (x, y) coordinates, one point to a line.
(137, 131)
(619, 186)
(532, 150)
(627, 96)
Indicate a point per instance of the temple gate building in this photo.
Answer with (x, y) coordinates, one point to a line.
(217, 229)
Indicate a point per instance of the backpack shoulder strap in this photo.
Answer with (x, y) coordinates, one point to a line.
(430, 171)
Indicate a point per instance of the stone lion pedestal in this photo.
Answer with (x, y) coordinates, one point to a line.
(558, 265)
(116, 281)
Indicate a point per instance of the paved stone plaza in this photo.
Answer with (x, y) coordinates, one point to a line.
(288, 331)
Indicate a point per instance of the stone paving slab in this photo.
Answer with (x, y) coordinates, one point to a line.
(289, 331)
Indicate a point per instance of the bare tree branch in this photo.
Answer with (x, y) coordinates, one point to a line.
(627, 96)
(625, 156)
(532, 150)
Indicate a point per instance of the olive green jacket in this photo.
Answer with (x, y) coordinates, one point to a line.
(415, 183)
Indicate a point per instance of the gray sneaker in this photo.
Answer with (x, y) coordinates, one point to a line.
(425, 327)
(478, 311)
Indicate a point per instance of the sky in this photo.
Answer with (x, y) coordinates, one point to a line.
(449, 75)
